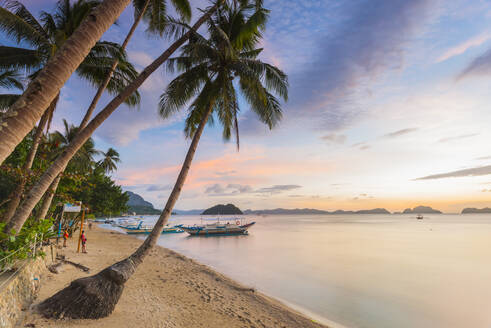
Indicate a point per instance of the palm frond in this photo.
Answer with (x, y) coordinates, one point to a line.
(11, 79)
(182, 89)
(13, 58)
(6, 100)
(14, 26)
(183, 8)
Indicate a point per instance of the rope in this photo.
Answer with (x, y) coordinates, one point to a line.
(21, 248)
(13, 274)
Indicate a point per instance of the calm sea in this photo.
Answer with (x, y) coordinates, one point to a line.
(361, 271)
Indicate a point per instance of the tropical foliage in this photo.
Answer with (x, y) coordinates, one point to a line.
(85, 178)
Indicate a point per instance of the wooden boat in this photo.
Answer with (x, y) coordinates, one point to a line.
(218, 229)
(419, 217)
(147, 229)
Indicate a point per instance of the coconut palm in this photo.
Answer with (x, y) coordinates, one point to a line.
(153, 12)
(46, 36)
(28, 109)
(229, 53)
(82, 162)
(9, 79)
(49, 176)
(109, 160)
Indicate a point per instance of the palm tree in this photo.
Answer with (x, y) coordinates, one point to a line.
(28, 109)
(154, 13)
(9, 79)
(48, 177)
(81, 162)
(53, 31)
(229, 53)
(109, 160)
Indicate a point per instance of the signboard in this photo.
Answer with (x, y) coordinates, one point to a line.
(72, 208)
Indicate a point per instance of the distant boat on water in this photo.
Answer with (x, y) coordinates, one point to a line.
(140, 229)
(219, 229)
(419, 217)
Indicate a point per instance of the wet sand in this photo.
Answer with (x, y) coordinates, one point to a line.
(168, 290)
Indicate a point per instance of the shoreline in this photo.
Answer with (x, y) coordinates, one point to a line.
(168, 290)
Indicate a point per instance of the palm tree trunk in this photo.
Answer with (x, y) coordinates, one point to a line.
(48, 199)
(104, 84)
(28, 109)
(16, 195)
(95, 297)
(61, 162)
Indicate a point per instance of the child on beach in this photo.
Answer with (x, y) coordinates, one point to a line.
(84, 241)
(65, 237)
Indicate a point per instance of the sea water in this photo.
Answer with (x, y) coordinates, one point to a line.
(361, 271)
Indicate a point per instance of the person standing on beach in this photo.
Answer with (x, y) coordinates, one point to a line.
(84, 241)
(65, 237)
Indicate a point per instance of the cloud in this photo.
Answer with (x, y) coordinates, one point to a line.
(225, 173)
(370, 42)
(140, 58)
(229, 190)
(156, 187)
(480, 66)
(483, 158)
(334, 138)
(464, 46)
(476, 171)
(463, 136)
(486, 190)
(362, 196)
(276, 189)
(237, 189)
(399, 133)
(361, 145)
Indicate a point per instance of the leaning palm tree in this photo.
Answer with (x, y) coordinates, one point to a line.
(153, 12)
(28, 109)
(109, 161)
(82, 161)
(49, 176)
(54, 30)
(229, 53)
(9, 79)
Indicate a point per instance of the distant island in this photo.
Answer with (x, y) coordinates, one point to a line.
(189, 212)
(471, 210)
(301, 211)
(421, 210)
(136, 204)
(229, 209)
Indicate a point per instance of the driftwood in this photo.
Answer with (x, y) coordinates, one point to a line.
(77, 265)
(54, 268)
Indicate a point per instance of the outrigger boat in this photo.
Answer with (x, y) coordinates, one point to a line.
(217, 228)
(147, 229)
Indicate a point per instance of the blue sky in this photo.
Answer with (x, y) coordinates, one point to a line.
(383, 92)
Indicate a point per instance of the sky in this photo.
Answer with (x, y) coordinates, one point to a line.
(389, 106)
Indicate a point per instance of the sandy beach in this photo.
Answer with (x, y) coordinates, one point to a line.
(168, 290)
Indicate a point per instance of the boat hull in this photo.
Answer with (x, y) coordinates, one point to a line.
(218, 231)
(148, 231)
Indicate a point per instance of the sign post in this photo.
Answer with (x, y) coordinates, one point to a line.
(81, 228)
